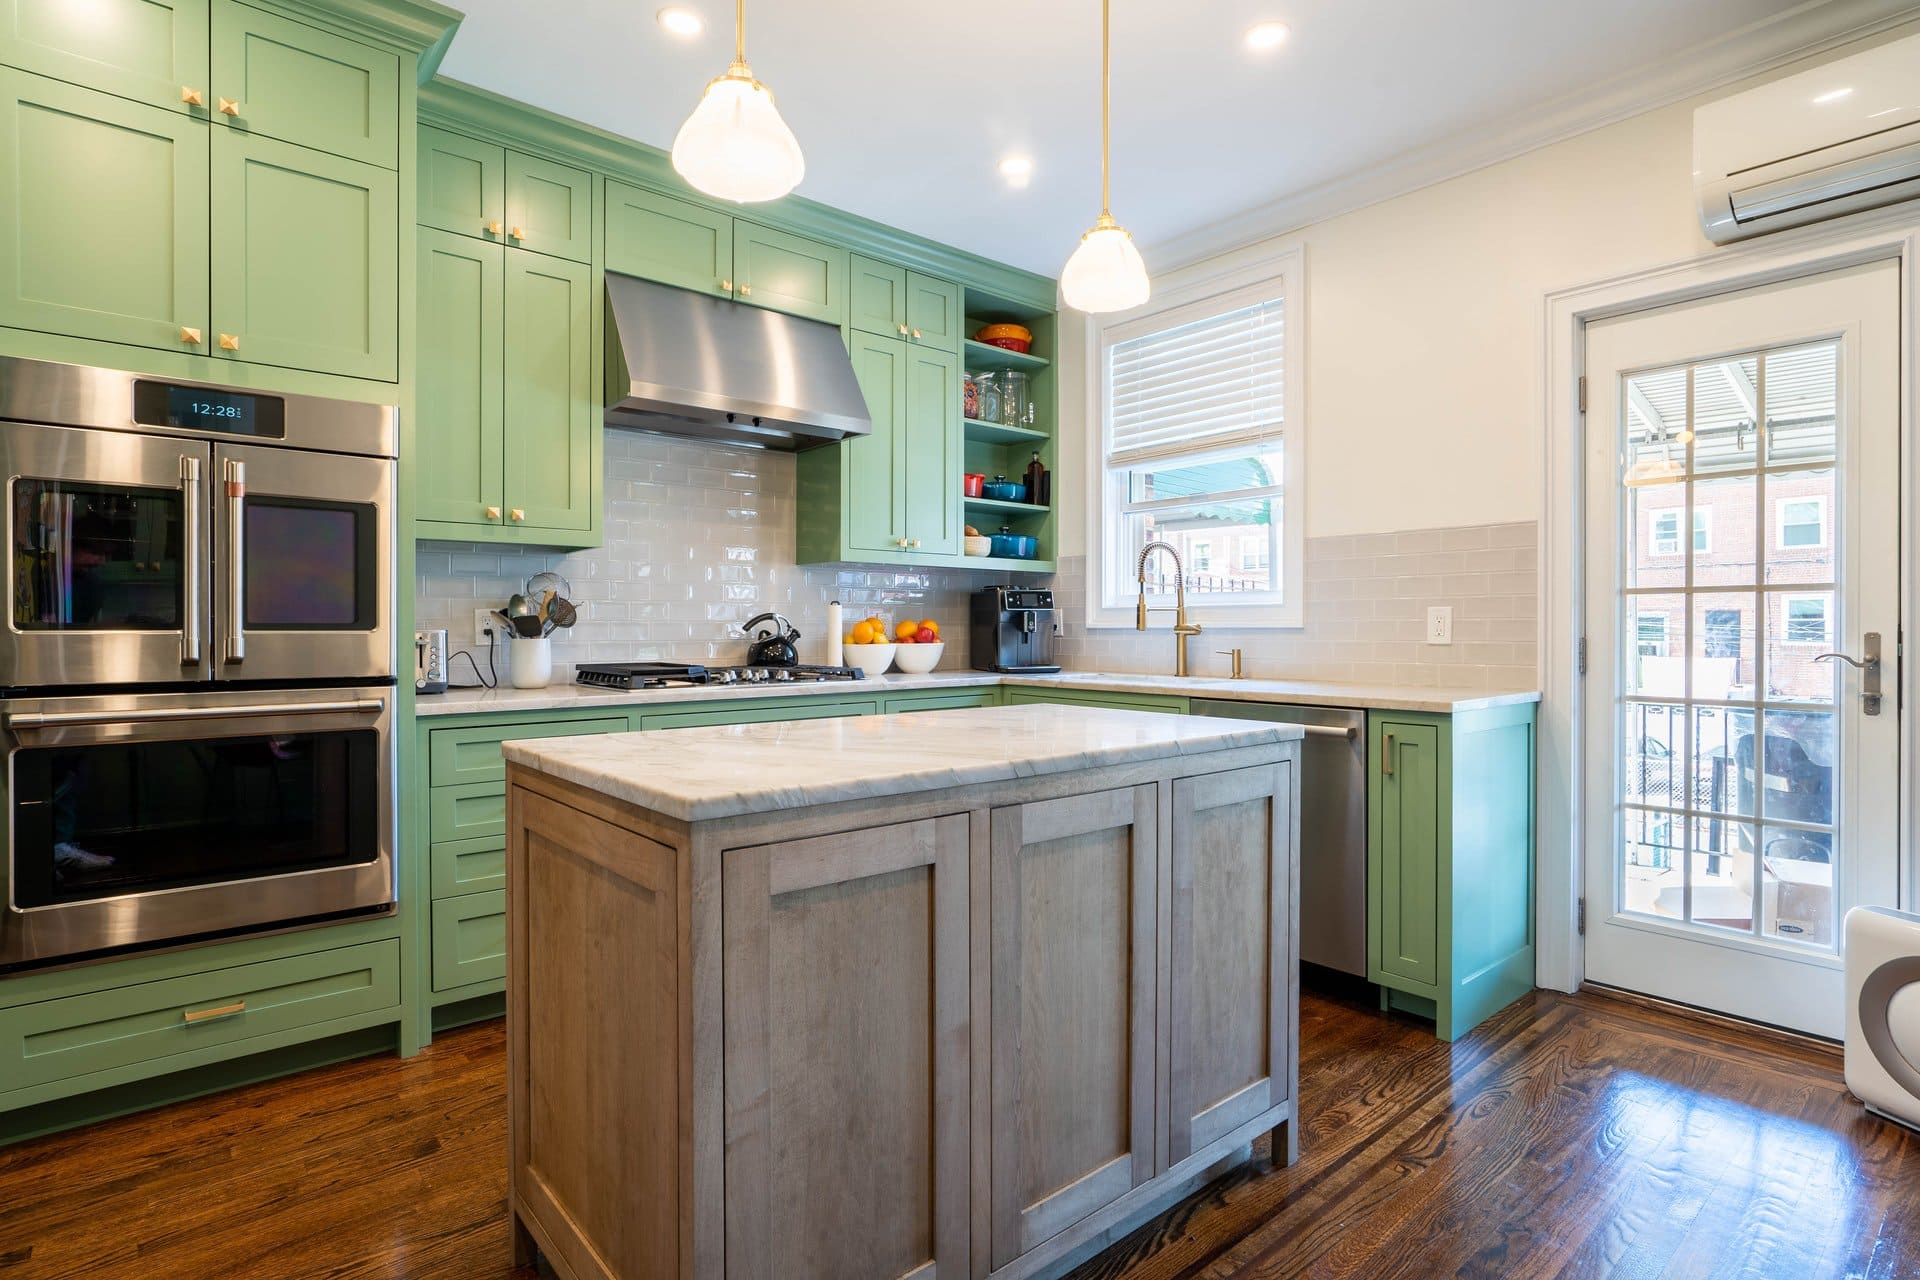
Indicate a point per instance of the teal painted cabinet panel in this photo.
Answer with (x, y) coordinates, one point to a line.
(467, 812)
(306, 259)
(676, 242)
(874, 465)
(151, 51)
(1407, 794)
(468, 866)
(934, 317)
(470, 754)
(930, 455)
(785, 272)
(469, 940)
(549, 207)
(551, 413)
(105, 205)
(878, 298)
(460, 424)
(463, 185)
(283, 79)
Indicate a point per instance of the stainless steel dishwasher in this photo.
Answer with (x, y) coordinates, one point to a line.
(1333, 826)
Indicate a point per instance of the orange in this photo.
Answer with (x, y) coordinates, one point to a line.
(863, 633)
(906, 631)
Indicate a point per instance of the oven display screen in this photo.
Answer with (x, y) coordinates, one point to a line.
(233, 413)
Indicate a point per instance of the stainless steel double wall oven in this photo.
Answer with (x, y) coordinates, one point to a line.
(197, 668)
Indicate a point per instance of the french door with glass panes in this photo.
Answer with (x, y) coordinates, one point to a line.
(1743, 464)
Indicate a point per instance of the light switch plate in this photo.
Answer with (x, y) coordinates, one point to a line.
(1440, 624)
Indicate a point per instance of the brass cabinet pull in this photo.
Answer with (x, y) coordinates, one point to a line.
(493, 227)
(191, 1016)
(193, 97)
(517, 514)
(229, 342)
(493, 513)
(189, 336)
(1386, 758)
(229, 107)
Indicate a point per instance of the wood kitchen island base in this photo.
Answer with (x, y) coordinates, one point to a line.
(980, 1012)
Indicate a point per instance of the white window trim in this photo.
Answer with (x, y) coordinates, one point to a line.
(1780, 506)
(1242, 284)
(1787, 599)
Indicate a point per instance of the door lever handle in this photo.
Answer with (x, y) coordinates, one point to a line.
(1869, 668)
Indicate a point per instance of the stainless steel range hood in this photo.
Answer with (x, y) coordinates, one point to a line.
(693, 365)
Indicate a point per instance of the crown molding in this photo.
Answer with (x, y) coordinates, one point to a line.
(1805, 31)
(420, 27)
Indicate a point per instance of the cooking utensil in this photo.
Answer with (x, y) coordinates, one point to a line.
(971, 482)
(541, 583)
(1002, 489)
(518, 606)
(1015, 546)
(560, 615)
(772, 647)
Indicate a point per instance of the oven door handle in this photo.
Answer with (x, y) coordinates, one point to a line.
(239, 711)
(193, 560)
(236, 494)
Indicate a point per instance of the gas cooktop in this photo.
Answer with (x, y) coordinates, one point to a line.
(662, 675)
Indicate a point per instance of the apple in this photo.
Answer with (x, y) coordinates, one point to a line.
(926, 635)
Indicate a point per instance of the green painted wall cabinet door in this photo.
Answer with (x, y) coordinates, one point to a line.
(460, 429)
(878, 298)
(151, 51)
(934, 316)
(283, 79)
(872, 466)
(549, 400)
(790, 273)
(675, 242)
(462, 185)
(105, 204)
(549, 207)
(930, 456)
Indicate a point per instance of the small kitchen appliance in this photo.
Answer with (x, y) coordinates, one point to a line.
(1013, 630)
(430, 661)
(774, 646)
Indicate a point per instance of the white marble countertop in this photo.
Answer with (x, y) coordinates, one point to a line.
(1312, 693)
(724, 771)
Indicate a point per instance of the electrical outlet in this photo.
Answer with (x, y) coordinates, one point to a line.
(1440, 624)
(1059, 627)
(483, 622)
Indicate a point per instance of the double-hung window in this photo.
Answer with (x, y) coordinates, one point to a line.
(1200, 449)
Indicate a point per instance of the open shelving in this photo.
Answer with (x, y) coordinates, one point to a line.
(998, 449)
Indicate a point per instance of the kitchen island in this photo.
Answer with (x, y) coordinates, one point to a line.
(942, 995)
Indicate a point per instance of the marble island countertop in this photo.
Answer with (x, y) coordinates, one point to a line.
(1316, 693)
(725, 771)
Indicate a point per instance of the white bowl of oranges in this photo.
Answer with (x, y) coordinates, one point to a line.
(916, 646)
(919, 646)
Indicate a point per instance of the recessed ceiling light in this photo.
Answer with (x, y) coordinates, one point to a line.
(1832, 95)
(1017, 170)
(682, 22)
(1264, 37)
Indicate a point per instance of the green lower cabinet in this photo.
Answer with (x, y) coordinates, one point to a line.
(151, 51)
(473, 864)
(105, 203)
(469, 940)
(1017, 694)
(553, 431)
(469, 811)
(1450, 862)
(942, 700)
(760, 713)
(306, 259)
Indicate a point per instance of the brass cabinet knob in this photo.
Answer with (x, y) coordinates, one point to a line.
(493, 228)
(518, 233)
(903, 331)
(193, 97)
(726, 286)
(493, 513)
(229, 342)
(229, 107)
(517, 514)
(901, 543)
(189, 336)
(746, 291)
(916, 335)
(916, 544)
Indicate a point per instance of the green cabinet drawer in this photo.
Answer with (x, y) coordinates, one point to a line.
(78, 1035)
(306, 86)
(458, 757)
(1408, 815)
(152, 51)
(552, 412)
(306, 258)
(790, 273)
(934, 315)
(462, 185)
(468, 866)
(985, 696)
(676, 242)
(878, 298)
(467, 812)
(758, 713)
(1017, 694)
(549, 207)
(105, 206)
(460, 423)
(469, 940)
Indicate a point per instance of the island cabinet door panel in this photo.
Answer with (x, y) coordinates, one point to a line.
(152, 51)
(462, 185)
(676, 242)
(931, 457)
(460, 427)
(306, 259)
(1405, 855)
(105, 206)
(790, 273)
(549, 207)
(1072, 983)
(847, 1055)
(599, 1035)
(549, 392)
(1231, 968)
(282, 79)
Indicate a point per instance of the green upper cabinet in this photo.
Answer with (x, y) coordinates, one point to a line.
(790, 273)
(879, 298)
(459, 425)
(306, 269)
(462, 185)
(283, 79)
(552, 417)
(676, 242)
(152, 51)
(105, 204)
(930, 457)
(934, 316)
(873, 464)
(549, 207)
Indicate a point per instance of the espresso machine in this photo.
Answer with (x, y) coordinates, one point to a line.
(1013, 630)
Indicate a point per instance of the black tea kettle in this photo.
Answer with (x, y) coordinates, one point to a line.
(772, 648)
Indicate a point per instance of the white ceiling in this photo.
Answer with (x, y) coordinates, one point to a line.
(904, 109)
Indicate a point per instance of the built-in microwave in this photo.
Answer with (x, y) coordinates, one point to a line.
(163, 531)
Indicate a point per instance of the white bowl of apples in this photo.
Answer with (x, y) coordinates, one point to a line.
(919, 651)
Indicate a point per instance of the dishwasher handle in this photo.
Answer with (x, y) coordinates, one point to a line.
(1331, 731)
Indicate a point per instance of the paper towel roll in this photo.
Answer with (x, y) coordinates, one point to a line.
(835, 655)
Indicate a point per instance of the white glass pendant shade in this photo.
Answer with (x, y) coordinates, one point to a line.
(1106, 273)
(735, 146)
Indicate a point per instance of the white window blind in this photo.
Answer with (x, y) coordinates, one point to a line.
(1219, 381)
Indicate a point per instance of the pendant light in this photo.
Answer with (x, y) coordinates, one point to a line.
(1105, 273)
(735, 146)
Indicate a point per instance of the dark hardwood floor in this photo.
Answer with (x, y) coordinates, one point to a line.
(1570, 1136)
